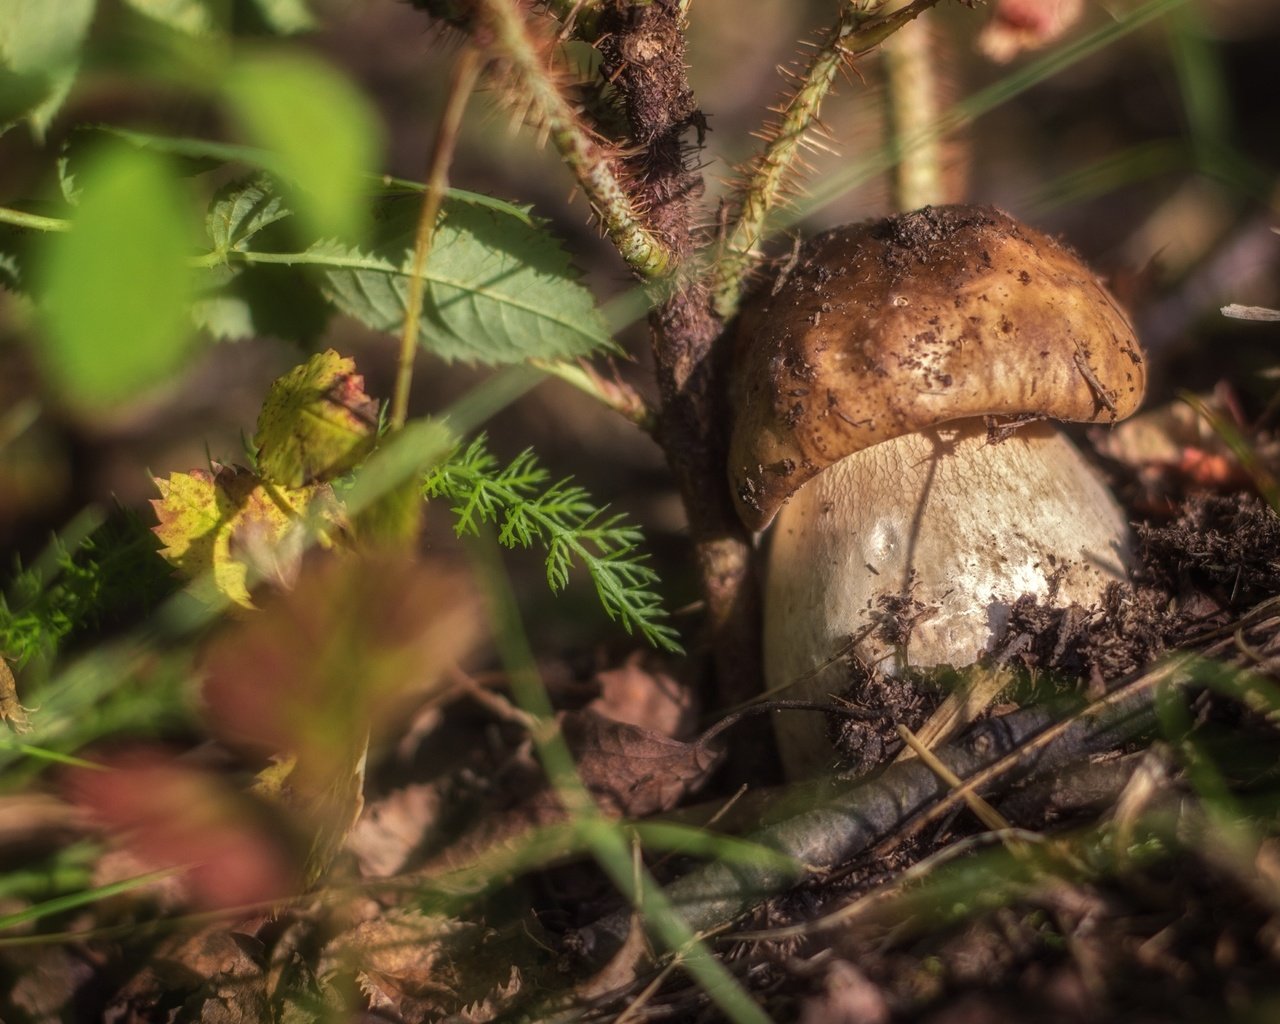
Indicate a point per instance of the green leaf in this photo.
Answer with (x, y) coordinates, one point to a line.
(286, 16)
(239, 211)
(499, 288)
(116, 288)
(40, 46)
(316, 423)
(321, 128)
(562, 518)
(194, 17)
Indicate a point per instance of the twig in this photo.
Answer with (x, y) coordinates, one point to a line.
(466, 70)
(842, 820)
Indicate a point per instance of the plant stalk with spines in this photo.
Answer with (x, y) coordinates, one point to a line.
(511, 38)
(857, 29)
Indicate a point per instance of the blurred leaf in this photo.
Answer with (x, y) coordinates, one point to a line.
(226, 529)
(500, 289)
(40, 44)
(320, 666)
(118, 285)
(195, 17)
(286, 16)
(239, 211)
(316, 423)
(173, 815)
(324, 132)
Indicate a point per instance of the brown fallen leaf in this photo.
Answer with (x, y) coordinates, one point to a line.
(633, 772)
(310, 675)
(848, 997)
(11, 709)
(647, 697)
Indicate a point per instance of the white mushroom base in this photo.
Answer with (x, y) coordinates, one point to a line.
(961, 526)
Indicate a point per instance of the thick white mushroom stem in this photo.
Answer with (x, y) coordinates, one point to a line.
(960, 525)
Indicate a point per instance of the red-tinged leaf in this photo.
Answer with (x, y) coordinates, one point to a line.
(225, 530)
(172, 815)
(317, 422)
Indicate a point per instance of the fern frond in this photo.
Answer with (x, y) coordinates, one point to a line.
(562, 518)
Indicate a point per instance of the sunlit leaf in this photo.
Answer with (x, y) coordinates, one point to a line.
(323, 131)
(500, 289)
(39, 46)
(226, 529)
(316, 423)
(117, 286)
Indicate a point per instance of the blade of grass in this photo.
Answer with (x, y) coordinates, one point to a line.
(606, 840)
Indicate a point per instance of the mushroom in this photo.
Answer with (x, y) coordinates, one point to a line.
(891, 393)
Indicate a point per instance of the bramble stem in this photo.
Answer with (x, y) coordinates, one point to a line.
(855, 31)
(585, 156)
(466, 71)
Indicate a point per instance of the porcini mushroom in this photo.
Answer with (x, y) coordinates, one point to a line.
(866, 384)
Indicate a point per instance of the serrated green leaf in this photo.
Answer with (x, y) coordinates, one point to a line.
(500, 289)
(40, 44)
(316, 423)
(322, 129)
(117, 286)
(239, 211)
(222, 530)
(286, 16)
(194, 17)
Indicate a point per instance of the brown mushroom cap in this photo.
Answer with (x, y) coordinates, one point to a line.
(895, 326)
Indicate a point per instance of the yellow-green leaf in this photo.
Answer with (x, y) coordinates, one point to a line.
(317, 422)
(228, 529)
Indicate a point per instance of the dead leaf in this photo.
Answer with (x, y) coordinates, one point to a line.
(393, 827)
(848, 997)
(1018, 25)
(646, 697)
(11, 709)
(634, 772)
(316, 423)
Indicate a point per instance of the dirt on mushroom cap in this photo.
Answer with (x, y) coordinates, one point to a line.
(890, 327)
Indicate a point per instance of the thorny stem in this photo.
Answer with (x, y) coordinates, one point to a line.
(855, 31)
(465, 73)
(585, 156)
